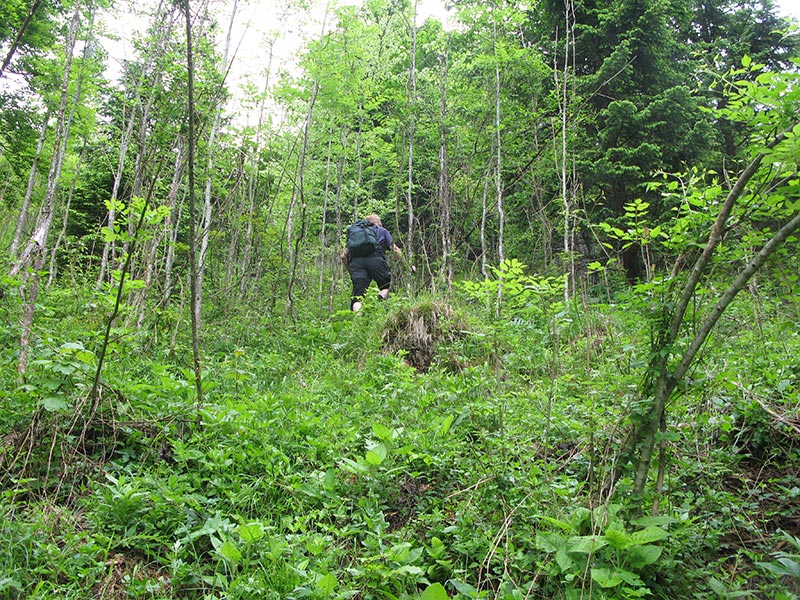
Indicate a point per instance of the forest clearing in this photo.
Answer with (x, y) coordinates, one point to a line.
(574, 371)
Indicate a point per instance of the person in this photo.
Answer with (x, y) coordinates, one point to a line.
(364, 270)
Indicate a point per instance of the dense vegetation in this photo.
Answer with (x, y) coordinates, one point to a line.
(589, 388)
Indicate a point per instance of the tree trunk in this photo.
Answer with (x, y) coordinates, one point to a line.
(26, 201)
(412, 125)
(564, 171)
(193, 291)
(665, 379)
(498, 178)
(205, 224)
(18, 38)
(34, 253)
(445, 207)
(168, 233)
(252, 182)
(298, 195)
(53, 270)
(484, 219)
(108, 247)
(323, 238)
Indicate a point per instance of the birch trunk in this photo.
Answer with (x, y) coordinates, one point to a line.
(499, 162)
(193, 295)
(205, 225)
(412, 77)
(564, 174)
(34, 253)
(444, 177)
(169, 233)
(108, 247)
(26, 201)
(298, 196)
(323, 241)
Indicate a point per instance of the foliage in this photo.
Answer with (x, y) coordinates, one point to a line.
(456, 441)
(596, 555)
(324, 467)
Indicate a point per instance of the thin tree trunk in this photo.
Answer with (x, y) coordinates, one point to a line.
(169, 233)
(205, 225)
(148, 81)
(108, 247)
(26, 201)
(412, 124)
(76, 98)
(298, 195)
(339, 268)
(563, 171)
(35, 251)
(484, 219)
(499, 163)
(323, 241)
(193, 291)
(173, 229)
(15, 44)
(444, 177)
(52, 271)
(665, 381)
(253, 179)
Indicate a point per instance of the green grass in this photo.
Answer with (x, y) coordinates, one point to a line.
(323, 467)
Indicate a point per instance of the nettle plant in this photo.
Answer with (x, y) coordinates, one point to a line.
(512, 292)
(635, 230)
(596, 554)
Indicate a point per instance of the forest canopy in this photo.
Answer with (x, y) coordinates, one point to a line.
(583, 383)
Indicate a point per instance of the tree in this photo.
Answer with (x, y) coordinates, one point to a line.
(769, 181)
(26, 25)
(32, 258)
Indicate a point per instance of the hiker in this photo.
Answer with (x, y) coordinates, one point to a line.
(363, 258)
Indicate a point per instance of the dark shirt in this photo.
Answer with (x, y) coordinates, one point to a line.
(385, 240)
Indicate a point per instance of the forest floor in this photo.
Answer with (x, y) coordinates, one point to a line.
(420, 449)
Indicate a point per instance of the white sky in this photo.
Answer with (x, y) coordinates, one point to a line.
(789, 8)
(259, 21)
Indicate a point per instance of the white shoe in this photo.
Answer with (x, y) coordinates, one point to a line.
(356, 306)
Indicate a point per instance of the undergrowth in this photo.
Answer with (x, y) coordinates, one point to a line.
(326, 463)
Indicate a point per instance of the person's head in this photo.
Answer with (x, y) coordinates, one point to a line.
(374, 219)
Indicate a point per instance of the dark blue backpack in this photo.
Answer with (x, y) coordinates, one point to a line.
(362, 238)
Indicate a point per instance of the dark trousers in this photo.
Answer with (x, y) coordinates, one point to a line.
(366, 269)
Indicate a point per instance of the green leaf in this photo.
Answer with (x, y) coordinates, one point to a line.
(352, 466)
(381, 431)
(605, 577)
(464, 588)
(434, 591)
(444, 427)
(71, 346)
(647, 536)
(326, 584)
(586, 544)
(617, 538)
(436, 549)
(109, 235)
(230, 552)
(640, 556)
(564, 561)
(558, 523)
(54, 403)
(251, 532)
(377, 455)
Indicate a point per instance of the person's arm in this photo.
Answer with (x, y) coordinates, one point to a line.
(345, 256)
(399, 254)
